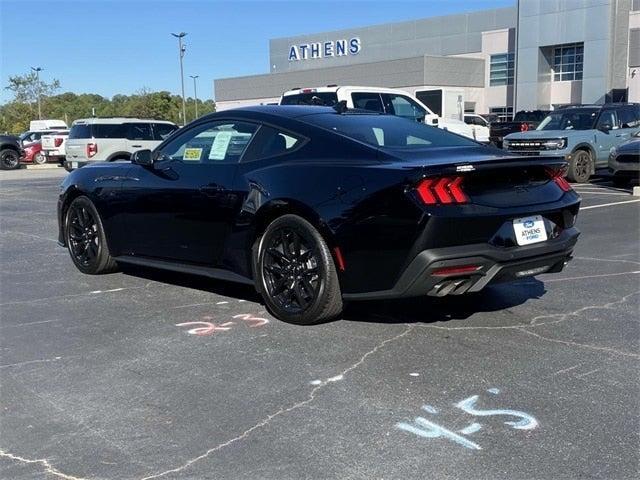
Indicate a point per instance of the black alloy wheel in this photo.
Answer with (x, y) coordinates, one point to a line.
(580, 167)
(9, 159)
(85, 238)
(296, 273)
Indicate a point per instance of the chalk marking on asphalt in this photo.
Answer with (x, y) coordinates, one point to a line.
(29, 362)
(581, 345)
(607, 260)
(588, 373)
(609, 204)
(264, 422)
(93, 292)
(194, 305)
(221, 303)
(42, 461)
(564, 370)
(27, 324)
(592, 276)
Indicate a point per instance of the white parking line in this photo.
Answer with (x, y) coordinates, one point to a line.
(619, 194)
(609, 204)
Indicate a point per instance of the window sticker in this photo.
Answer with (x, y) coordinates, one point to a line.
(192, 154)
(220, 145)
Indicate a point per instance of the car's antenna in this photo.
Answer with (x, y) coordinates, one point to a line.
(341, 106)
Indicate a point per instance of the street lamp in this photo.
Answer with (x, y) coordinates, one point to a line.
(38, 70)
(181, 50)
(195, 91)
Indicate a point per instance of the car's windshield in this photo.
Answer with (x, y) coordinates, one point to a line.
(523, 116)
(583, 119)
(387, 131)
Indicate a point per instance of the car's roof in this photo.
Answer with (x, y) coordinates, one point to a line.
(287, 111)
(335, 88)
(116, 120)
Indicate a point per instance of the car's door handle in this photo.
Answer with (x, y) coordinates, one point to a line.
(136, 146)
(212, 190)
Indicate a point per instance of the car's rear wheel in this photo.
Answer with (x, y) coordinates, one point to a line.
(9, 159)
(39, 159)
(85, 238)
(580, 167)
(295, 273)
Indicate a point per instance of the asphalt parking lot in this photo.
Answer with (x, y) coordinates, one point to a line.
(144, 375)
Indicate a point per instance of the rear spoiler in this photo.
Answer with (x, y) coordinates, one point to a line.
(500, 163)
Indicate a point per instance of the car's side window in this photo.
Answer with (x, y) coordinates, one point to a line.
(609, 118)
(223, 141)
(139, 131)
(629, 116)
(270, 142)
(162, 130)
(367, 101)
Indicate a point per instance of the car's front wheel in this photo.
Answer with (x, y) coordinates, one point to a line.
(9, 159)
(85, 238)
(296, 274)
(580, 167)
(39, 159)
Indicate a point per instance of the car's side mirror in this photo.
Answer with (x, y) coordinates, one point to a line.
(605, 127)
(142, 157)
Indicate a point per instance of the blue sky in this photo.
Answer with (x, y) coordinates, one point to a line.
(113, 46)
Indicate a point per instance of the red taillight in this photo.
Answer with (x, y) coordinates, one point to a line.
(524, 127)
(458, 270)
(339, 259)
(557, 175)
(57, 142)
(92, 149)
(445, 191)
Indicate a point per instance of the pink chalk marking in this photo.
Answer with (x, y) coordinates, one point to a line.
(205, 328)
(247, 317)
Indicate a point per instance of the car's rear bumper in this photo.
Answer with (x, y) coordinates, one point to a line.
(422, 277)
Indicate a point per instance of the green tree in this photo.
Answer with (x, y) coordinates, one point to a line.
(26, 88)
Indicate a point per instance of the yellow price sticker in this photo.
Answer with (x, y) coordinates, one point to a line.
(192, 154)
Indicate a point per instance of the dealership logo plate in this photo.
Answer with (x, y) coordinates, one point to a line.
(529, 230)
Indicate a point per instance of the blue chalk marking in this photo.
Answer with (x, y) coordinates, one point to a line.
(527, 422)
(495, 391)
(429, 409)
(473, 428)
(427, 429)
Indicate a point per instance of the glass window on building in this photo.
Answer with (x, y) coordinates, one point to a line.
(501, 69)
(503, 114)
(567, 62)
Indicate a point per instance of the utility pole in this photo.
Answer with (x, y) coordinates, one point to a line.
(181, 49)
(195, 91)
(38, 70)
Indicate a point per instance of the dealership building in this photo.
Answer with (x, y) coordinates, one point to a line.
(538, 54)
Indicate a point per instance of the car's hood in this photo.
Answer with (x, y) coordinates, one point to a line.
(631, 146)
(536, 134)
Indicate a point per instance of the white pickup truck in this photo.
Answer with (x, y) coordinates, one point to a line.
(53, 147)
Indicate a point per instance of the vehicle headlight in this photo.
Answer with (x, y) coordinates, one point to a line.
(505, 143)
(613, 153)
(554, 144)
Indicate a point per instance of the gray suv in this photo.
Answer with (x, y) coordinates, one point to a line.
(112, 139)
(583, 135)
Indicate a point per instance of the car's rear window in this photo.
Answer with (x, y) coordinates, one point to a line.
(387, 131)
(327, 99)
(81, 130)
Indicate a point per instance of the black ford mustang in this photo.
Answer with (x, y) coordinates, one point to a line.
(315, 206)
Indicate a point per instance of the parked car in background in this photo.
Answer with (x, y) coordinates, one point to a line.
(582, 135)
(112, 139)
(383, 100)
(33, 154)
(479, 126)
(315, 206)
(53, 146)
(624, 161)
(10, 152)
(40, 125)
(32, 136)
(523, 121)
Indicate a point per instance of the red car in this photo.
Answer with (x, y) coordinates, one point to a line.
(33, 154)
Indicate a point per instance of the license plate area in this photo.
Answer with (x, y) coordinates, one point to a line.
(529, 230)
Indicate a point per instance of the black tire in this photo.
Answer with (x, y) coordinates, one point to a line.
(85, 238)
(9, 159)
(39, 159)
(295, 273)
(580, 166)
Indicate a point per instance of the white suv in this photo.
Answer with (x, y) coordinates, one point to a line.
(384, 100)
(112, 139)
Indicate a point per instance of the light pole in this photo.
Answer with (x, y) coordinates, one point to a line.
(38, 70)
(195, 91)
(181, 49)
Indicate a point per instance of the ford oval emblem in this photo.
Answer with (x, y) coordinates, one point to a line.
(528, 224)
